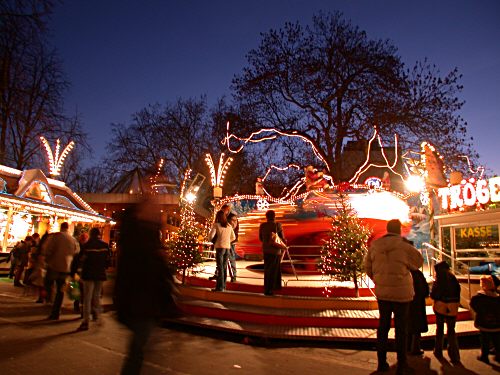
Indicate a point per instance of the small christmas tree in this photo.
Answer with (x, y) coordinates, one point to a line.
(183, 249)
(342, 254)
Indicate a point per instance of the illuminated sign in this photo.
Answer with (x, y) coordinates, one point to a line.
(373, 182)
(476, 237)
(469, 193)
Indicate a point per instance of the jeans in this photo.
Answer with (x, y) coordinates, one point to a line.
(400, 310)
(232, 260)
(141, 330)
(453, 351)
(91, 298)
(486, 339)
(60, 279)
(221, 257)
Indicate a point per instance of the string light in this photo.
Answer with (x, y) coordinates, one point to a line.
(56, 161)
(251, 139)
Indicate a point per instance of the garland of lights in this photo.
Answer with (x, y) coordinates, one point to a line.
(217, 176)
(294, 133)
(56, 161)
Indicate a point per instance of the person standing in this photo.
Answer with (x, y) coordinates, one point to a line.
(272, 255)
(59, 249)
(94, 259)
(233, 221)
(388, 263)
(486, 307)
(22, 254)
(74, 273)
(446, 295)
(223, 233)
(417, 320)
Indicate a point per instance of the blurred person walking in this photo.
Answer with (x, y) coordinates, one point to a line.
(144, 287)
(94, 257)
(59, 249)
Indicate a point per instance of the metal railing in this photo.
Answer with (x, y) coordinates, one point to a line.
(434, 255)
(304, 266)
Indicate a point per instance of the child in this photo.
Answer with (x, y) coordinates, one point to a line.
(446, 295)
(486, 305)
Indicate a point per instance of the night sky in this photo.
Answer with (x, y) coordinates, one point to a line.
(121, 55)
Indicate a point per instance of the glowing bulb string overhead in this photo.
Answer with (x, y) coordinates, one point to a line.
(252, 139)
(479, 170)
(217, 176)
(387, 164)
(56, 161)
(280, 169)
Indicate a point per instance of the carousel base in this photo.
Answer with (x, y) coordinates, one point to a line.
(299, 311)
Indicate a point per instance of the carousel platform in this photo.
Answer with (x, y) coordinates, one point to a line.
(299, 311)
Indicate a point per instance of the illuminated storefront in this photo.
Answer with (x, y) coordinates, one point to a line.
(469, 232)
(30, 202)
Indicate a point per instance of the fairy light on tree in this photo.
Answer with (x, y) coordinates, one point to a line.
(183, 248)
(343, 252)
(56, 160)
(218, 174)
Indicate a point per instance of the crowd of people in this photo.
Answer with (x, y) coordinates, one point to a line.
(145, 290)
(46, 263)
(393, 263)
(224, 236)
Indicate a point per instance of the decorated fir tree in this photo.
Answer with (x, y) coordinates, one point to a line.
(183, 249)
(343, 252)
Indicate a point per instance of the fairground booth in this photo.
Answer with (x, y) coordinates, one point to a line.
(32, 203)
(469, 222)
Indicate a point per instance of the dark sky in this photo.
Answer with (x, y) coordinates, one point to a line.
(121, 55)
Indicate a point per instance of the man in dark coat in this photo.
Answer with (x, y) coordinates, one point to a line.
(94, 259)
(272, 255)
(417, 319)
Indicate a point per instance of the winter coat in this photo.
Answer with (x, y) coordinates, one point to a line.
(388, 263)
(59, 249)
(225, 235)
(94, 259)
(446, 287)
(487, 311)
(265, 231)
(418, 315)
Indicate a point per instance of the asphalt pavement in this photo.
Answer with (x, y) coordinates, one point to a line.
(30, 344)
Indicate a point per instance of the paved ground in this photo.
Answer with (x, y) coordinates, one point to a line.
(29, 344)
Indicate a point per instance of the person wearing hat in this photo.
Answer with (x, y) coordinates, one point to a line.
(486, 307)
(446, 295)
(388, 263)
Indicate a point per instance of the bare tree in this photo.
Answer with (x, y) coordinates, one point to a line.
(328, 83)
(32, 87)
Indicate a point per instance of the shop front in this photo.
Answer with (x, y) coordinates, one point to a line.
(469, 231)
(32, 203)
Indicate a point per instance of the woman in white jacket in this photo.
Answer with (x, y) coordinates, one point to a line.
(224, 234)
